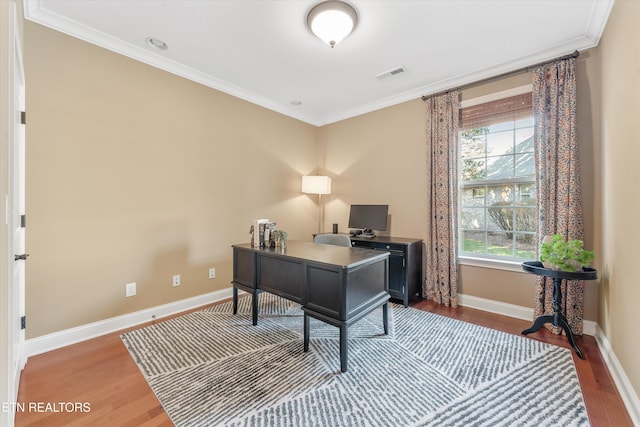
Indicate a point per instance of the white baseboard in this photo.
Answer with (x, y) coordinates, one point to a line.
(66, 337)
(628, 394)
(511, 310)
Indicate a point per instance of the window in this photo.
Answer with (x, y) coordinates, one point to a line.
(497, 194)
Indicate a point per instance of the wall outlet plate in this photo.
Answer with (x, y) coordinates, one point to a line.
(212, 273)
(176, 280)
(130, 289)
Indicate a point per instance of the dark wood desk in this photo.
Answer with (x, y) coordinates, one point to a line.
(405, 263)
(335, 284)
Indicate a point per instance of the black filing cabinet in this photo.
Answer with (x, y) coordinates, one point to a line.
(405, 263)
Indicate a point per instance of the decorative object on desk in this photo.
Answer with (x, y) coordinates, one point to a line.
(203, 367)
(317, 185)
(268, 238)
(257, 238)
(559, 254)
(279, 238)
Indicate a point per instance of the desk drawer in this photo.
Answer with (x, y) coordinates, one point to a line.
(389, 247)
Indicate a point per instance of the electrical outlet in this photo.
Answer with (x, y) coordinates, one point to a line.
(130, 289)
(176, 280)
(212, 273)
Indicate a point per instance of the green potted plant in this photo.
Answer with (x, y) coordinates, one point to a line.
(560, 254)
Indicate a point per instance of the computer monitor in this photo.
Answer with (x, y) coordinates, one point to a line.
(368, 218)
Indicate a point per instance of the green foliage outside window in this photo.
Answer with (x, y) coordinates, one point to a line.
(525, 218)
(473, 148)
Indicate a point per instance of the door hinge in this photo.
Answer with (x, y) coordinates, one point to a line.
(23, 117)
(23, 221)
(23, 322)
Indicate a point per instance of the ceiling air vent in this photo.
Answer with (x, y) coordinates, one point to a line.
(394, 72)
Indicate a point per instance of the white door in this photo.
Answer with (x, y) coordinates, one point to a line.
(14, 353)
(18, 218)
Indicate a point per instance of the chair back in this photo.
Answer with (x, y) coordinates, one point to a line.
(332, 239)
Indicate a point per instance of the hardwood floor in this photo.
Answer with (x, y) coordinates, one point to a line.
(97, 383)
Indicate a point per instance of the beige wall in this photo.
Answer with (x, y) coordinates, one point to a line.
(620, 132)
(380, 158)
(134, 175)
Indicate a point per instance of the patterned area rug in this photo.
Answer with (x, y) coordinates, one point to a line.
(211, 368)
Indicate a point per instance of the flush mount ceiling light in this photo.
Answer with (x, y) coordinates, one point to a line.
(331, 21)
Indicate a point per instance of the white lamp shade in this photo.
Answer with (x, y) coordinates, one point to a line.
(316, 184)
(331, 21)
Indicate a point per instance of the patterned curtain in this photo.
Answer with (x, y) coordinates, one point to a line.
(441, 284)
(558, 178)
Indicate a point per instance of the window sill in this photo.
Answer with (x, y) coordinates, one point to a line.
(491, 263)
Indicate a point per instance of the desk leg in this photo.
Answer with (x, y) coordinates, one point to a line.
(344, 335)
(306, 332)
(254, 304)
(235, 300)
(385, 317)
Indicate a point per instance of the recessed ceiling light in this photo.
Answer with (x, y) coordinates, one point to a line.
(157, 43)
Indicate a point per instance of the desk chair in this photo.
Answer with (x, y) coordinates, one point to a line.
(333, 239)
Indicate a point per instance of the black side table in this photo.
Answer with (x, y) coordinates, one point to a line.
(557, 318)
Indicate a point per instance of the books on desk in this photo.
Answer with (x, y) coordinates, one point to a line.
(262, 229)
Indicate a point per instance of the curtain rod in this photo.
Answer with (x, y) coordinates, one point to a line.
(575, 54)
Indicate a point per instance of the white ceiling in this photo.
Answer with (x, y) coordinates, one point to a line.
(262, 51)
